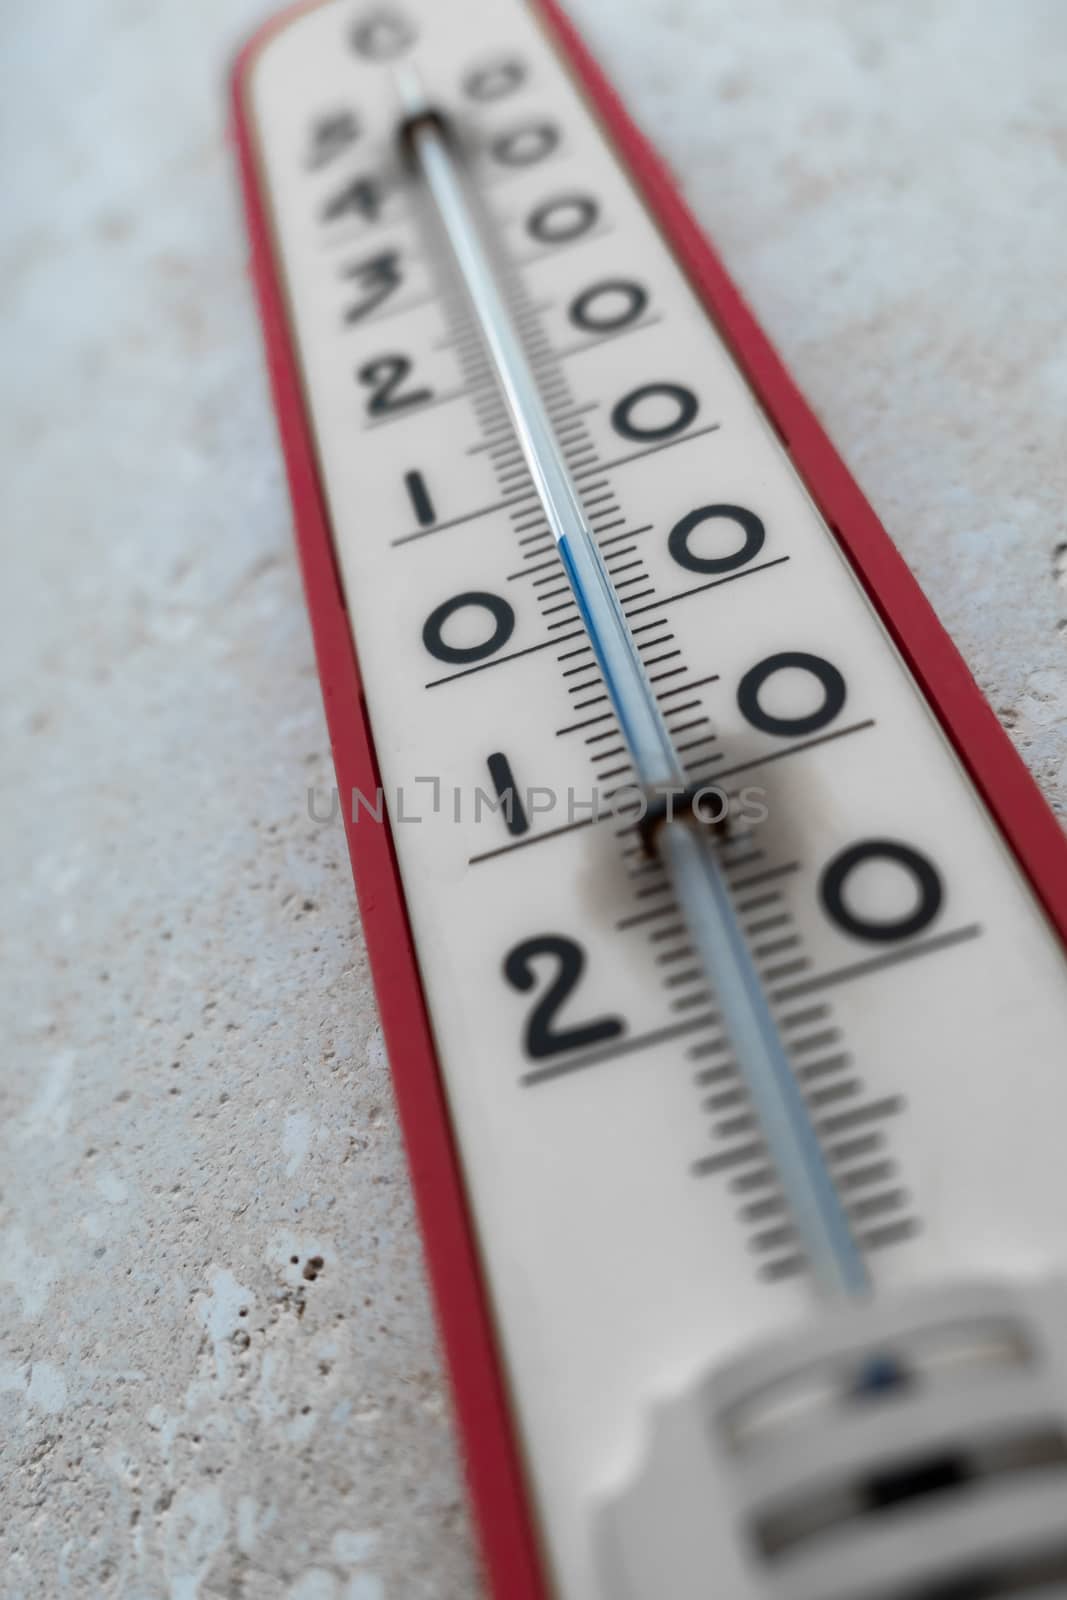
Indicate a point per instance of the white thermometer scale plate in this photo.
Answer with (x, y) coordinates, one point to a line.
(630, 1231)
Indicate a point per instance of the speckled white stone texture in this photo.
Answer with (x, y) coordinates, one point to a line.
(218, 1373)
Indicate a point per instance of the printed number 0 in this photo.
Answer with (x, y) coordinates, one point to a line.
(497, 610)
(494, 81)
(929, 891)
(826, 675)
(752, 530)
(522, 147)
(625, 418)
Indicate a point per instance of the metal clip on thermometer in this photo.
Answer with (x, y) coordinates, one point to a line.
(759, 1122)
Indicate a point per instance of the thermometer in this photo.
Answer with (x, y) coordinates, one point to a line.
(717, 930)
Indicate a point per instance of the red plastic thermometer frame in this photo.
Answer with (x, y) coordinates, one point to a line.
(496, 1476)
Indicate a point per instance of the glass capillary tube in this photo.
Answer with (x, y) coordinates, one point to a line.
(825, 1236)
